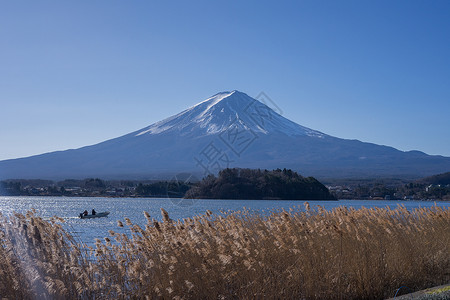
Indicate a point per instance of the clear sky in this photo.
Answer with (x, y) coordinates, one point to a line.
(74, 73)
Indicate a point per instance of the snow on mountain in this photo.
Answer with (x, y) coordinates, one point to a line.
(217, 113)
(229, 129)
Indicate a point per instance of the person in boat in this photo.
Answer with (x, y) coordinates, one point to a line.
(85, 213)
(93, 212)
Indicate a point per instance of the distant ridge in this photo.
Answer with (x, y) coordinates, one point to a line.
(442, 179)
(229, 129)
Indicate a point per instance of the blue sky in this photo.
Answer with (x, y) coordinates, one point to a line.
(74, 73)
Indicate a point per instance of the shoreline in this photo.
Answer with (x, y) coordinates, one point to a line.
(165, 197)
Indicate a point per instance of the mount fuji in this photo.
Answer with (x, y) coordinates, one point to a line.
(229, 129)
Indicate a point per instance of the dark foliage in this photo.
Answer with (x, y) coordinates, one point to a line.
(441, 179)
(259, 184)
(163, 189)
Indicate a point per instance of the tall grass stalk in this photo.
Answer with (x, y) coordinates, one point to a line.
(312, 254)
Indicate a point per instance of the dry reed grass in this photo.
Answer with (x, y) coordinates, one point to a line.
(313, 254)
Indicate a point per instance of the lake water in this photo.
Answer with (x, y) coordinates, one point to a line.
(87, 230)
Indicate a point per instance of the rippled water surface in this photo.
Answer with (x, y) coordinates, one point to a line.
(87, 230)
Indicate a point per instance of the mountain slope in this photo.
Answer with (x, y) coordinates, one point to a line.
(229, 129)
(442, 179)
(215, 114)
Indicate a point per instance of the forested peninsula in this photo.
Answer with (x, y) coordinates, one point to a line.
(259, 184)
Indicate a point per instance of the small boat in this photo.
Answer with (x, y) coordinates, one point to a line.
(97, 215)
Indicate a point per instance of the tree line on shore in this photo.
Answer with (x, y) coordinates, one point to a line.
(436, 187)
(229, 184)
(91, 187)
(237, 183)
(259, 184)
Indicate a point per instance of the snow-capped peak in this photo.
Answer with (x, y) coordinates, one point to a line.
(217, 113)
(216, 98)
